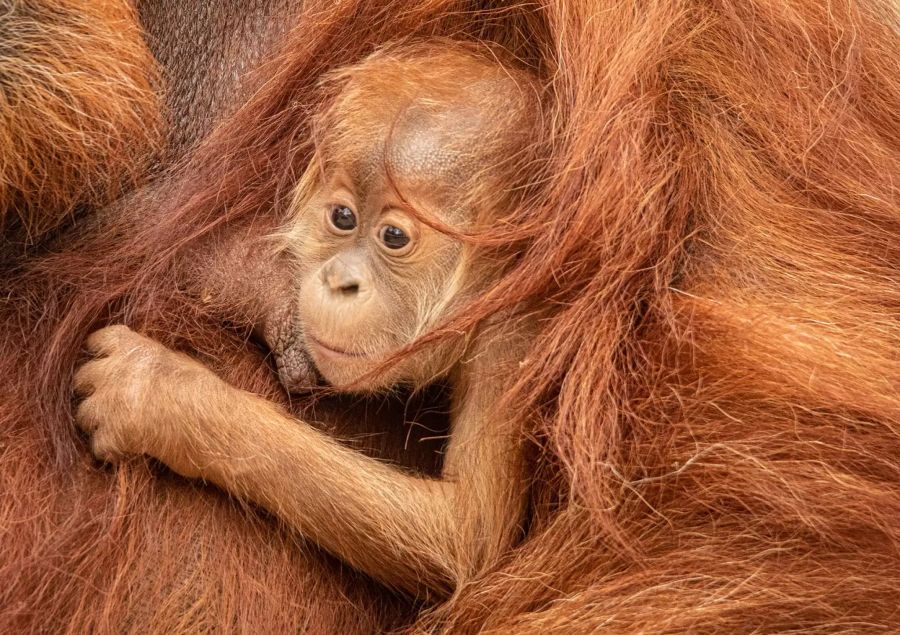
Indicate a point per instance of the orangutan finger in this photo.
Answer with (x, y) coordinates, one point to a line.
(86, 378)
(88, 414)
(104, 448)
(106, 340)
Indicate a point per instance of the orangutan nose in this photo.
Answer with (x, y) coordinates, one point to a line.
(344, 276)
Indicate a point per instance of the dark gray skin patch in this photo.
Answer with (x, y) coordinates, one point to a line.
(284, 335)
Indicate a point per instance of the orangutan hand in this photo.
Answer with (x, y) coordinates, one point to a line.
(141, 398)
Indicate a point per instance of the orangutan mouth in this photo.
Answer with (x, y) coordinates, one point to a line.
(331, 351)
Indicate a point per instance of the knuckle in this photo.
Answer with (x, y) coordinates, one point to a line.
(94, 341)
(84, 418)
(81, 422)
(84, 371)
(103, 448)
(82, 386)
(107, 338)
(88, 379)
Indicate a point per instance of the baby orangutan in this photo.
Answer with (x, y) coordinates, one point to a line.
(413, 140)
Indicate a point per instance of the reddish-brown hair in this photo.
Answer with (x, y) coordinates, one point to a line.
(79, 115)
(713, 247)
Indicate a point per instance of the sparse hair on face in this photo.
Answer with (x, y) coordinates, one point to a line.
(447, 128)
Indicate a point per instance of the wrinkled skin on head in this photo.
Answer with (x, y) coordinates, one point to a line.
(402, 146)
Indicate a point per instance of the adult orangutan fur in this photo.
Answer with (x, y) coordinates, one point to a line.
(206, 50)
(712, 398)
(79, 118)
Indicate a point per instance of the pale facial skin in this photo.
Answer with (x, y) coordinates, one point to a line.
(371, 278)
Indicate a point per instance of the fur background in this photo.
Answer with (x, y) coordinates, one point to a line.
(713, 397)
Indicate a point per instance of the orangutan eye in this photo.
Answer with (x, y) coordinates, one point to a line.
(394, 237)
(342, 218)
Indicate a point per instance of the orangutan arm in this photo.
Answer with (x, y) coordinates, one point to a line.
(413, 533)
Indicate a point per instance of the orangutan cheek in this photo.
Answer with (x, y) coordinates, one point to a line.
(345, 375)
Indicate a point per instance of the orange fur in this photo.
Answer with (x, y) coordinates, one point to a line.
(79, 116)
(713, 396)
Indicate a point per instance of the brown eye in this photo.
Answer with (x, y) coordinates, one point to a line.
(342, 218)
(394, 237)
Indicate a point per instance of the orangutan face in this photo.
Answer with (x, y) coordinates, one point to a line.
(374, 277)
(398, 161)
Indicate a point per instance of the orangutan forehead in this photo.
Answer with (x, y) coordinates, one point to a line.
(420, 146)
(431, 124)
